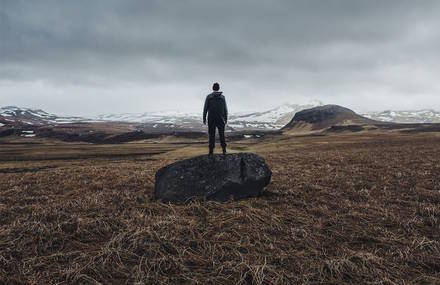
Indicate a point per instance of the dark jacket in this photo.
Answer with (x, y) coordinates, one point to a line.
(215, 107)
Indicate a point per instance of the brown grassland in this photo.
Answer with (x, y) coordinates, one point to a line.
(348, 208)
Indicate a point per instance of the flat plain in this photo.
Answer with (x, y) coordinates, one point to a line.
(341, 209)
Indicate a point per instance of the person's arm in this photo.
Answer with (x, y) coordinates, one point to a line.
(205, 110)
(226, 111)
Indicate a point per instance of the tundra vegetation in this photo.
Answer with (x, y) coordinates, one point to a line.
(341, 208)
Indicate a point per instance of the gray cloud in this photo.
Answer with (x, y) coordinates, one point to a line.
(88, 57)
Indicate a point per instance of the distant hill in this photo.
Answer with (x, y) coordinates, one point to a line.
(415, 116)
(323, 117)
(12, 115)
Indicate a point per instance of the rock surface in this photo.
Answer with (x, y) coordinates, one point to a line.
(218, 178)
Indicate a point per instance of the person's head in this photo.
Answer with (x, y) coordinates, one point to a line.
(216, 87)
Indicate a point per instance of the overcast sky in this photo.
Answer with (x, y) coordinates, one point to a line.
(84, 57)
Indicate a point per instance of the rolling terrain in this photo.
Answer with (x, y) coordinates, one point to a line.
(171, 121)
(28, 125)
(162, 121)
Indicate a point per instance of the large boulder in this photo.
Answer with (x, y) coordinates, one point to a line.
(218, 177)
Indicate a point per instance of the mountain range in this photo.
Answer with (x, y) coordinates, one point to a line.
(417, 116)
(271, 119)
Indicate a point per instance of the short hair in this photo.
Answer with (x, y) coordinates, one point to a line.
(216, 87)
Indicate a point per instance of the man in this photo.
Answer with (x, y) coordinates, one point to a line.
(215, 107)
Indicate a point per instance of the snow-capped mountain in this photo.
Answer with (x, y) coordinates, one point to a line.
(420, 116)
(271, 119)
(169, 118)
(26, 116)
(274, 118)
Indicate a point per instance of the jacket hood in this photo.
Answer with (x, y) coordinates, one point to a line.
(217, 93)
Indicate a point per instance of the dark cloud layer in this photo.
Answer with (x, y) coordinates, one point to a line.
(88, 57)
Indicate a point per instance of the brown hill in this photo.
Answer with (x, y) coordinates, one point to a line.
(323, 117)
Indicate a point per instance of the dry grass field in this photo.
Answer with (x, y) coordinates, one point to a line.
(348, 208)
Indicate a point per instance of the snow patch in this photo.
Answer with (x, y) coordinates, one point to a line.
(28, 134)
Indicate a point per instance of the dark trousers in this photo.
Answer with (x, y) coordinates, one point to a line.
(220, 125)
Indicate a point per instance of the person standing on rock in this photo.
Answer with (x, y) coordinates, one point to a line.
(215, 107)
